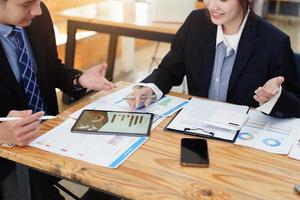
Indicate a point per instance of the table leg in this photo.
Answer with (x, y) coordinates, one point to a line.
(71, 44)
(23, 181)
(111, 56)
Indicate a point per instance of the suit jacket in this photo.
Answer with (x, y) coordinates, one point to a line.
(264, 52)
(51, 74)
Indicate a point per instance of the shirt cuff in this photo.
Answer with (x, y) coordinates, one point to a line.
(158, 93)
(268, 106)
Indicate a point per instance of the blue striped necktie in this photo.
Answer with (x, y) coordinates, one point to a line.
(29, 78)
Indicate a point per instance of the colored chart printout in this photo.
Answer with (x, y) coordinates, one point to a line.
(268, 133)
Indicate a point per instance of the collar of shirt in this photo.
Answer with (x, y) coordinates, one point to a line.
(231, 41)
(5, 30)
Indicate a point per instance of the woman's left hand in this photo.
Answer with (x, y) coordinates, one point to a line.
(269, 90)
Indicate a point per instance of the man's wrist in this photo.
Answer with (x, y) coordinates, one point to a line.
(76, 83)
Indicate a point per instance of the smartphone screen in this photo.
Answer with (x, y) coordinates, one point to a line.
(194, 152)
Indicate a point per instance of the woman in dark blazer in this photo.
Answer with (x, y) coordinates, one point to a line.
(260, 63)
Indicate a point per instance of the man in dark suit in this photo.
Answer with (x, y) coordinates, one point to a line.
(30, 70)
(261, 62)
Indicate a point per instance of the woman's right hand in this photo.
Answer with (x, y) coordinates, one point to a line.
(138, 99)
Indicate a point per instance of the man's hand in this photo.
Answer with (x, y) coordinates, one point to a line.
(138, 94)
(21, 131)
(94, 79)
(269, 90)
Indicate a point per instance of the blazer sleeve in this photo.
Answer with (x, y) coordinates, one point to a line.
(62, 75)
(283, 63)
(171, 70)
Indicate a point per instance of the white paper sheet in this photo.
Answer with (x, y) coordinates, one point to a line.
(105, 150)
(267, 133)
(295, 151)
(198, 111)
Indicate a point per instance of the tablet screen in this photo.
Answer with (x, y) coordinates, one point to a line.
(113, 122)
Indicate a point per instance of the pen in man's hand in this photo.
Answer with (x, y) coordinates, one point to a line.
(141, 97)
(4, 119)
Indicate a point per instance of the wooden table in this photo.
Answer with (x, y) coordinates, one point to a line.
(154, 171)
(115, 18)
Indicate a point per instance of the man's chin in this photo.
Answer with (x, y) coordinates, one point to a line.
(25, 23)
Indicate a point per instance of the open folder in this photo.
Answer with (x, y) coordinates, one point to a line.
(200, 117)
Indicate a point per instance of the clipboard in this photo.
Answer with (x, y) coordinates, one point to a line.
(198, 134)
(203, 129)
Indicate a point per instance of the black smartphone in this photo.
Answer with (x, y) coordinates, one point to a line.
(194, 152)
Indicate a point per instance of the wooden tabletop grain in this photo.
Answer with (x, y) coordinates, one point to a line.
(154, 170)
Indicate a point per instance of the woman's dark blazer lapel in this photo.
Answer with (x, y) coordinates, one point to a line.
(245, 49)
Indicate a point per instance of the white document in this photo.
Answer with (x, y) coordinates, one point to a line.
(161, 109)
(195, 114)
(105, 150)
(166, 106)
(228, 119)
(295, 151)
(267, 133)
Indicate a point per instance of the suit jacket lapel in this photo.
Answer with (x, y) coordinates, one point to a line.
(209, 53)
(245, 50)
(7, 76)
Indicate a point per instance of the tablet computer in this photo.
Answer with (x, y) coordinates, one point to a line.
(113, 122)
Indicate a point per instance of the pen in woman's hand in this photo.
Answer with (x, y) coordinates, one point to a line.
(141, 97)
